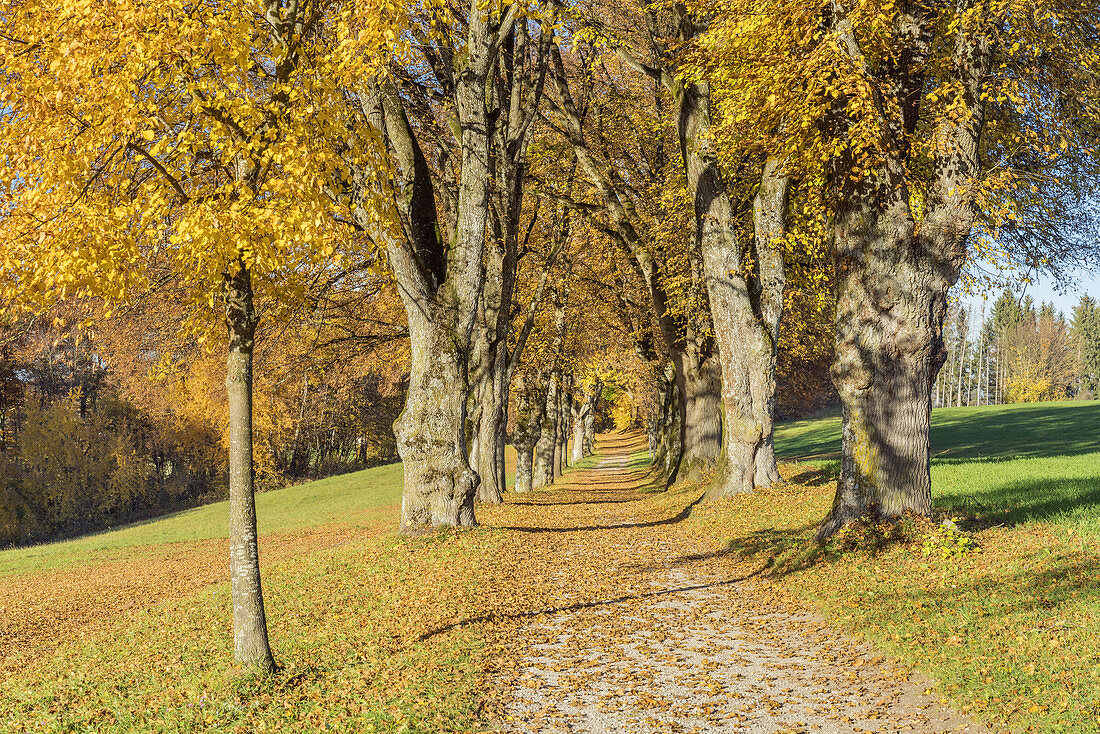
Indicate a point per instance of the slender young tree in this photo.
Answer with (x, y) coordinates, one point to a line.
(140, 137)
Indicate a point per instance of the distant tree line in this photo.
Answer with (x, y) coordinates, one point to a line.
(95, 429)
(1019, 353)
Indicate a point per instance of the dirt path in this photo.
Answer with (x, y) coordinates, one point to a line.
(627, 620)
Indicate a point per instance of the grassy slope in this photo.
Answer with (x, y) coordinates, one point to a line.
(1009, 628)
(1003, 463)
(346, 620)
(347, 499)
(335, 500)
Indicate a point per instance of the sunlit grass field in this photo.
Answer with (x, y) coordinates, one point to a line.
(1001, 463)
(1008, 627)
(336, 500)
(1008, 622)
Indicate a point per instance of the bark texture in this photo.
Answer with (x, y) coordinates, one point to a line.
(439, 482)
(250, 641)
(745, 305)
(590, 433)
(700, 419)
(547, 442)
(893, 280)
(530, 403)
(582, 411)
(664, 426)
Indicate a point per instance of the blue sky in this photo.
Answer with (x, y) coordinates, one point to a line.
(1064, 294)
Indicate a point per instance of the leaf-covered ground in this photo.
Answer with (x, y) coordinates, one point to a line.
(602, 604)
(632, 618)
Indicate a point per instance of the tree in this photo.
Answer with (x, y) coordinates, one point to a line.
(1040, 358)
(137, 135)
(442, 193)
(925, 122)
(1085, 334)
(599, 110)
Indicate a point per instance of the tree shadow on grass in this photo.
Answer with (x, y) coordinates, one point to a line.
(816, 476)
(997, 595)
(549, 611)
(1021, 501)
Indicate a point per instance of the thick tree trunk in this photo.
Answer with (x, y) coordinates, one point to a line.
(250, 642)
(525, 434)
(491, 336)
(547, 441)
(581, 411)
(745, 310)
(700, 383)
(889, 348)
(665, 430)
(492, 443)
(438, 267)
(577, 447)
(440, 485)
(590, 433)
(525, 459)
(770, 208)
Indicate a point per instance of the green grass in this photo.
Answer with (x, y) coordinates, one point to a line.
(1008, 627)
(1002, 464)
(1028, 430)
(337, 500)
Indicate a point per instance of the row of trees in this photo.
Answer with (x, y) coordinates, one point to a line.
(667, 180)
(1020, 353)
(106, 426)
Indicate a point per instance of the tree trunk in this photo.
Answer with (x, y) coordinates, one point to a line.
(250, 642)
(889, 348)
(547, 441)
(491, 337)
(529, 410)
(745, 309)
(492, 443)
(666, 425)
(770, 208)
(525, 458)
(581, 410)
(561, 449)
(482, 408)
(590, 432)
(440, 485)
(438, 267)
(700, 382)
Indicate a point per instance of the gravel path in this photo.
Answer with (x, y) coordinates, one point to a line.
(647, 632)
